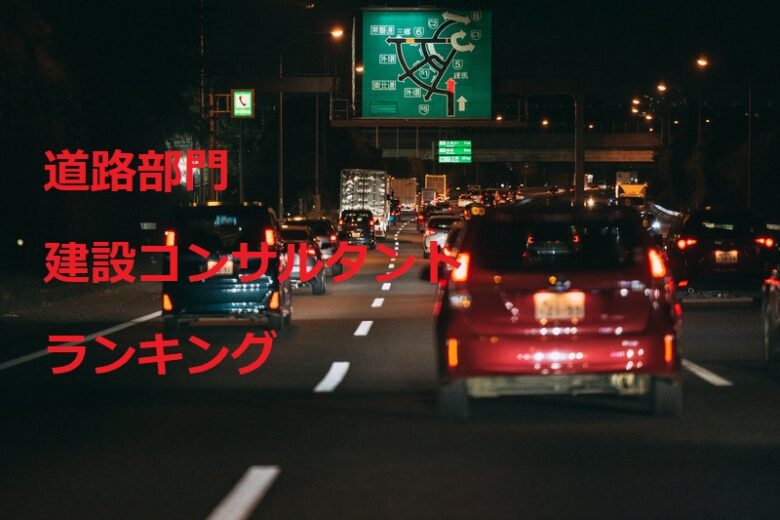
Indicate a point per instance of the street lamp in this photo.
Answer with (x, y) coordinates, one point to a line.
(335, 33)
(635, 101)
(661, 87)
(702, 62)
(499, 117)
(545, 122)
(359, 69)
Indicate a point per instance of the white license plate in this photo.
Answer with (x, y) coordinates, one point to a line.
(563, 306)
(726, 257)
(356, 234)
(225, 270)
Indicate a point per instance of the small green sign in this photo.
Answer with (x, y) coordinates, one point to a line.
(458, 152)
(455, 159)
(243, 103)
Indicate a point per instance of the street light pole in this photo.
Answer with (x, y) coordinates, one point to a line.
(281, 134)
(749, 140)
(336, 33)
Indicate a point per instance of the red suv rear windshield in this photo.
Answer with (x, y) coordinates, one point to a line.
(554, 243)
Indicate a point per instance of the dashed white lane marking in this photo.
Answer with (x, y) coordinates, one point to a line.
(246, 494)
(377, 302)
(391, 266)
(336, 373)
(386, 286)
(363, 328)
(105, 332)
(711, 377)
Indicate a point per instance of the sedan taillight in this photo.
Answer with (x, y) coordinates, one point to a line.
(767, 242)
(685, 243)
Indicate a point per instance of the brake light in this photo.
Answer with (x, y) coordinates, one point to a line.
(530, 241)
(170, 238)
(668, 348)
(420, 218)
(270, 237)
(274, 303)
(657, 265)
(430, 231)
(333, 238)
(452, 352)
(767, 242)
(683, 283)
(167, 304)
(370, 222)
(341, 222)
(461, 273)
(311, 251)
(686, 242)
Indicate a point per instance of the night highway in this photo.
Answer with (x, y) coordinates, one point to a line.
(368, 444)
(385, 260)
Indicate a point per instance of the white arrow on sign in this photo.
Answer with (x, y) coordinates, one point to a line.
(469, 47)
(465, 20)
(462, 104)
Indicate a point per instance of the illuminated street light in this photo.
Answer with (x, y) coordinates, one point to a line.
(545, 122)
(635, 101)
(499, 117)
(661, 87)
(649, 117)
(591, 126)
(702, 62)
(359, 69)
(336, 33)
(676, 122)
(634, 110)
(706, 120)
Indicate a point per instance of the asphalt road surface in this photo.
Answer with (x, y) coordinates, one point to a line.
(339, 422)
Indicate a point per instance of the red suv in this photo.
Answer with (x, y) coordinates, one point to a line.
(558, 300)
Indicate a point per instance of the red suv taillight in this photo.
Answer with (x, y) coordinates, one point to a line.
(461, 273)
(767, 242)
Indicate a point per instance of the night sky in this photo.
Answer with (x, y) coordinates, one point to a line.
(105, 75)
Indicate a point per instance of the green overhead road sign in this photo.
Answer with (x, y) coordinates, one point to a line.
(427, 64)
(243, 102)
(455, 152)
(456, 159)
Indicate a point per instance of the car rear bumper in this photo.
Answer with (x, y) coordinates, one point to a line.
(619, 383)
(573, 355)
(223, 298)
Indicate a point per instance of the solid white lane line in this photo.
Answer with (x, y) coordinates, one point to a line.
(711, 377)
(363, 328)
(386, 286)
(336, 373)
(377, 302)
(104, 332)
(246, 494)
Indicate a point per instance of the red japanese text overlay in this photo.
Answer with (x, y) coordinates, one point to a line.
(123, 171)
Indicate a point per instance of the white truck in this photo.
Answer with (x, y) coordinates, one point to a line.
(367, 189)
(405, 190)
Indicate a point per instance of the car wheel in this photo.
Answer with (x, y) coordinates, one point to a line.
(453, 401)
(277, 322)
(318, 286)
(336, 269)
(666, 397)
(171, 326)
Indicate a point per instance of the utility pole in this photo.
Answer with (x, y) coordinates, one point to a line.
(749, 141)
